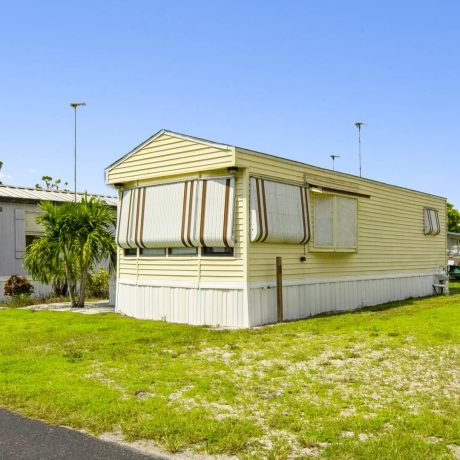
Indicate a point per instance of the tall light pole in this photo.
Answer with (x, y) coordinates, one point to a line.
(74, 105)
(358, 124)
(333, 161)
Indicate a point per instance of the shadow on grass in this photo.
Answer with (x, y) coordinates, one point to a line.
(454, 289)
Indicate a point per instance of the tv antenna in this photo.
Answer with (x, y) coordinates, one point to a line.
(359, 124)
(333, 161)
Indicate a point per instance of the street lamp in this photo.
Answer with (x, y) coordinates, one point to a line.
(74, 105)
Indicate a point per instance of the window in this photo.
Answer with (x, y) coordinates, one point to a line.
(335, 222)
(33, 230)
(153, 252)
(30, 239)
(324, 220)
(217, 252)
(183, 251)
(192, 213)
(453, 245)
(279, 212)
(32, 226)
(431, 221)
(130, 252)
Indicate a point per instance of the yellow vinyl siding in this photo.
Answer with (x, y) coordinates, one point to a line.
(184, 268)
(390, 236)
(127, 266)
(390, 227)
(166, 156)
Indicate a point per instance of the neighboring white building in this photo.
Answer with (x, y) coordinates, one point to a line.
(18, 227)
(453, 247)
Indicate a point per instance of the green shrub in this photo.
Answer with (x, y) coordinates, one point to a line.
(18, 285)
(21, 300)
(98, 283)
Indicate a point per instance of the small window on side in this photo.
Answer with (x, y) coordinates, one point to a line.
(130, 252)
(217, 252)
(431, 221)
(335, 223)
(153, 252)
(30, 239)
(183, 251)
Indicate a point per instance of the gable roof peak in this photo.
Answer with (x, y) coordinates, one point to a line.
(172, 134)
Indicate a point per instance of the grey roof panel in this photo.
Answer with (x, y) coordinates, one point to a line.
(12, 192)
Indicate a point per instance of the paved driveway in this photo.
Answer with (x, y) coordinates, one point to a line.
(25, 439)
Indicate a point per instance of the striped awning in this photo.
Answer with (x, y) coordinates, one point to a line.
(279, 212)
(431, 222)
(182, 214)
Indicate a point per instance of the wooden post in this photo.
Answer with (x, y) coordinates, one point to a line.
(279, 290)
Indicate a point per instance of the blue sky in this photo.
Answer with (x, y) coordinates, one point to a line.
(288, 78)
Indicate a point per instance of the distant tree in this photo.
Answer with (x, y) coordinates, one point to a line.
(453, 218)
(49, 184)
(1, 165)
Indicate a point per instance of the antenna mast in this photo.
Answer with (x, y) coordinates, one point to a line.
(333, 161)
(358, 124)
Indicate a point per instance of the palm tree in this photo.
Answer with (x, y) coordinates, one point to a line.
(52, 255)
(76, 237)
(93, 239)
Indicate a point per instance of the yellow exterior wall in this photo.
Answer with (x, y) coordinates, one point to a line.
(390, 222)
(168, 155)
(168, 159)
(390, 227)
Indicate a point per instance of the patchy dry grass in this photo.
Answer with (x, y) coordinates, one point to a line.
(383, 382)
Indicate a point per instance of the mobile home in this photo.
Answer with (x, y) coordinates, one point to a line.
(200, 225)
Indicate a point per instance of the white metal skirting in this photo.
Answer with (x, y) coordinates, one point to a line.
(112, 290)
(214, 307)
(227, 305)
(302, 300)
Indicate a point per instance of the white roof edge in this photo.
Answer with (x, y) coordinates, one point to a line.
(169, 133)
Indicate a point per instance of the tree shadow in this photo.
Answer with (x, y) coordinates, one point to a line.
(455, 290)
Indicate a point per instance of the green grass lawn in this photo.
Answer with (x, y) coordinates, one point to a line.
(380, 383)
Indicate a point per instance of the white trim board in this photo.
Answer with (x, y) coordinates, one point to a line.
(239, 285)
(268, 284)
(337, 279)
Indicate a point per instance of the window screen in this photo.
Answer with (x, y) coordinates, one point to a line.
(324, 220)
(345, 222)
(217, 252)
(153, 252)
(32, 226)
(335, 221)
